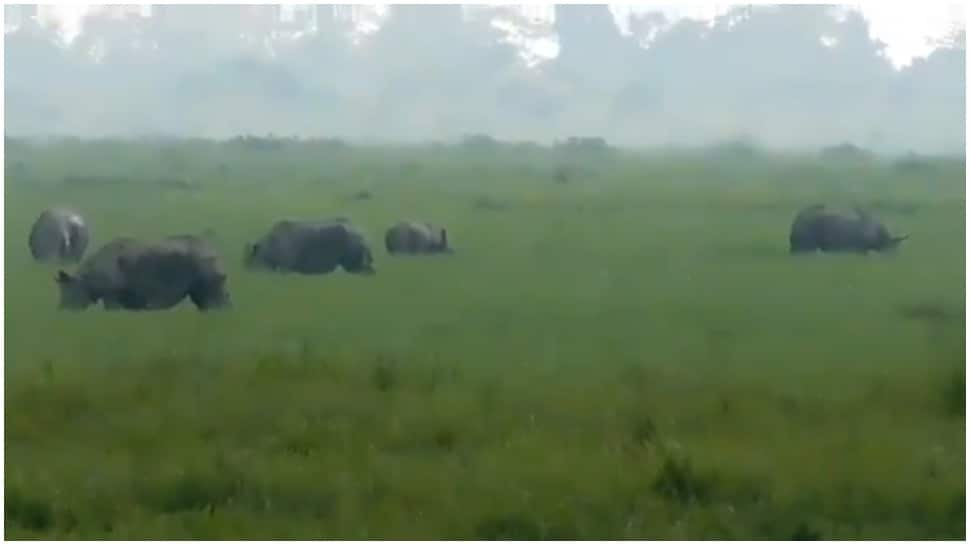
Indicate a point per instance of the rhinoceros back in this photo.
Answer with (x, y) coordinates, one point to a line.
(161, 274)
(320, 248)
(100, 272)
(280, 247)
(410, 237)
(841, 233)
(308, 247)
(58, 233)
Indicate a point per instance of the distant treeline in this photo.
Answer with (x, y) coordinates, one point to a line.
(479, 143)
(794, 77)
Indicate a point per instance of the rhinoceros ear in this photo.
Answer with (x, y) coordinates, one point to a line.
(862, 213)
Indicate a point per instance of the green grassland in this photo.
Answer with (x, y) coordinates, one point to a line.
(629, 354)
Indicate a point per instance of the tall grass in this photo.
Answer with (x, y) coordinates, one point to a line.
(629, 354)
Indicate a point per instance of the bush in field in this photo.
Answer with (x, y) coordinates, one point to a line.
(480, 143)
(914, 163)
(328, 144)
(955, 393)
(258, 143)
(736, 148)
(845, 151)
(582, 144)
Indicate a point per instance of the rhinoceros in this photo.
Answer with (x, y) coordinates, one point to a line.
(311, 247)
(816, 228)
(131, 274)
(413, 237)
(59, 234)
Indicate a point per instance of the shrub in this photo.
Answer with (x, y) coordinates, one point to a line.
(192, 489)
(29, 512)
(509, 527)
(955, 393)
(677, 480)
(384, 377)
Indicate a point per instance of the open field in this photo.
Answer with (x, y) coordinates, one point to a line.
(629, 354)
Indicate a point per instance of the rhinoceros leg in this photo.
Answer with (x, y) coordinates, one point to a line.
(198, 296)
(198, 300)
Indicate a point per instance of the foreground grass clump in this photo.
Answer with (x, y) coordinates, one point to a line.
(955, 393)
(317, 451)
(631, 354)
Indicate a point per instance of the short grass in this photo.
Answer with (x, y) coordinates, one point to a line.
(629, 353)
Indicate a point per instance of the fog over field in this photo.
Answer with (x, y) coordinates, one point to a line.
(784, 76)
(365, 272)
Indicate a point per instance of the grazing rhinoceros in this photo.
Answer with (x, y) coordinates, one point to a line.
(412, 237)
(131, 274)
(59, 234)
(311, 247)
(815, 228)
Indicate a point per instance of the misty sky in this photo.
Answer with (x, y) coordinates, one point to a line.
(908, 30)
(891, 78)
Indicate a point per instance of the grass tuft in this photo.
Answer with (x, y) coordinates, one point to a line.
(27, 511)
(191, 489)
(955, 393)
(385, 376)
(677, 480)
(931, 312)
(509, 527)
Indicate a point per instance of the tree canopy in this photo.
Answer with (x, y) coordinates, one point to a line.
(789, 75)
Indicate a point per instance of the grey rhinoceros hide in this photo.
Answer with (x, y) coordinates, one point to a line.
(817, 229)
(135, 275)
(311, 247)
(413, 237)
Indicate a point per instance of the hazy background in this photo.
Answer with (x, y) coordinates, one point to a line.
(783, 76)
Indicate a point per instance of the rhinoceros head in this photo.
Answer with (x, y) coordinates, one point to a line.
(892, 243)
(874, 234)
(74, 295)
(251, 255)
(877, 235)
